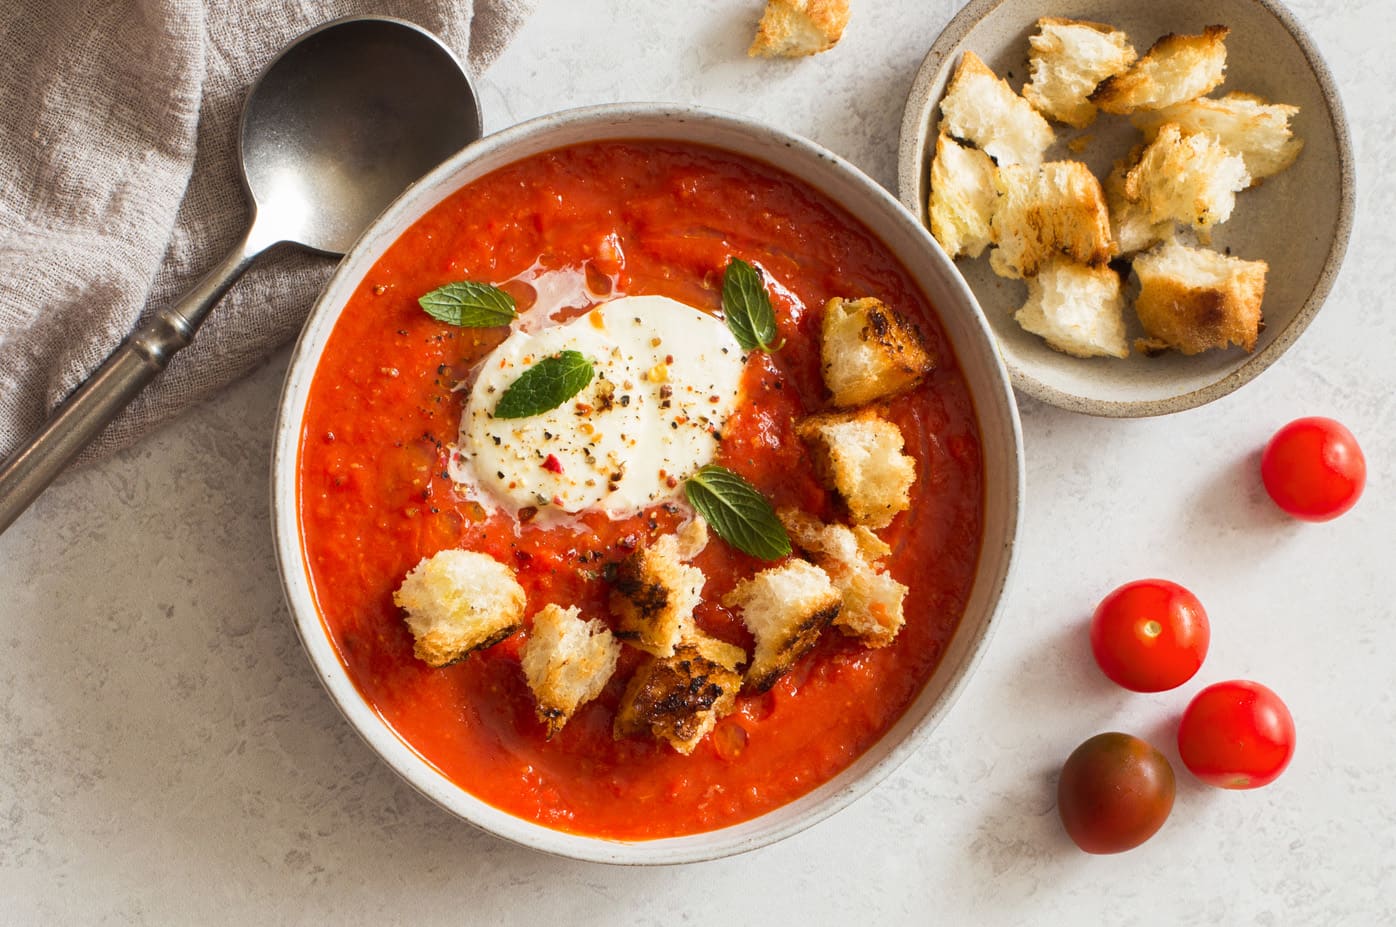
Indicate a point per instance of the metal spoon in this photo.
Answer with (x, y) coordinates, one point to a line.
(340, 123)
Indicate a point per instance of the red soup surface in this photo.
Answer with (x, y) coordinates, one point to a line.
(375, 498)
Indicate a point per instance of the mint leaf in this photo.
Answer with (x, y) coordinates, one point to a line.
(546, 385)
(739, 514)
(469, 305)
(747, 306)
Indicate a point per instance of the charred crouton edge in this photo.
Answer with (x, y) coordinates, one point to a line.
(785, 608)
(1176, 69)
(653, 595)
(872, 599)
(869, 351)
(458, 601)
(680, 698)
(567, 662)
(1068, 59)
(859, 456)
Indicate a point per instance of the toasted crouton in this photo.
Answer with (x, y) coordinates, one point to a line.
(785, 608)
(1076, 309)
(1057, 208)
(1190, 179)
(458, 601)
(680, 698)
(982, 109)
(963, 194)
(1245, 124)
(869, 351)
(872, 599)
(1175, 69)
(1069, 58)
(859, 456)
(795, 28)
(1130, 222)
(1193, 299)
(566, 662)
(653, 595)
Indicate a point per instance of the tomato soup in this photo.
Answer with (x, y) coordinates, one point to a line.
(375, 496)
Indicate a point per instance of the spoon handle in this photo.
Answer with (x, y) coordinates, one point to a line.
(84, 414)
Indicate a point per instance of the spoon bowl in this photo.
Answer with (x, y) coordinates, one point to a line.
(339, 124)
(344, 120)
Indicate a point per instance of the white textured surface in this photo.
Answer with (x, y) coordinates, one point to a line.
(166, 755)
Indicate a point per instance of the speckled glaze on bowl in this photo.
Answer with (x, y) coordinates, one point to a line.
(962, 321)
(1299, 221)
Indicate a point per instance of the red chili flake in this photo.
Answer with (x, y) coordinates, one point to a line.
(552, 464)
(523, 557)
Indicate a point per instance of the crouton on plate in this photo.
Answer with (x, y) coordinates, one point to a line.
(458, 601)
(871, 599)
(859, 456)
(566, 662)
(1190, 179)
(1076, 309)
(1131, 223)
(1245, 124)
(963, 194)
(982, 109)
(869, 351)
(1193, 299)
(653, 594)
(680, 698)
(1057, 208)
(795, 28)
(785, 608)
(1068, 59)
(1177, 68)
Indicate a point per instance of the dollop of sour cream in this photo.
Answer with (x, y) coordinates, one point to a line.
(666, 378)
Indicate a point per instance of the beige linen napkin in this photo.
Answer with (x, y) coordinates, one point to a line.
(119, 186)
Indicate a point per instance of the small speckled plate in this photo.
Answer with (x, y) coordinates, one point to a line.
(1298, 220)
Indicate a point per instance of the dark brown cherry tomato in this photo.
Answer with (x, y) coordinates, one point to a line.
(1150, 635)
(1313, 469)
(1115, 792)
(1236, 735)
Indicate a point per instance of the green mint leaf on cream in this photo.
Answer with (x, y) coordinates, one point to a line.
(469, 305)
(546, 385)
(739, 514)
(747, 306)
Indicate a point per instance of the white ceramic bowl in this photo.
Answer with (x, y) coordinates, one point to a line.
(963, 324)
(1299, 220)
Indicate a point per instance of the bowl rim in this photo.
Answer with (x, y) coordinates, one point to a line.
(913, 183)
(994, 567)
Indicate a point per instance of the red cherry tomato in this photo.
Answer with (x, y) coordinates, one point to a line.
(1313, 469)
(1236, 735)
(1114, 793)
(1150, 635)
